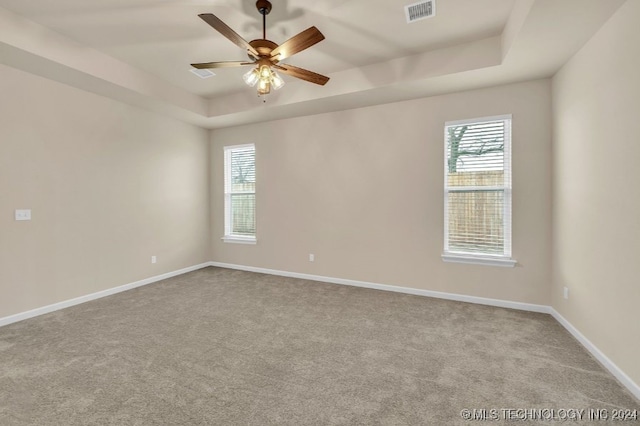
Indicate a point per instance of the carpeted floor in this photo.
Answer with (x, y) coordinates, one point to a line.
(224, 347)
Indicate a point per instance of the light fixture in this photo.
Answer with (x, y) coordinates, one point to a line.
(277, 82)
(265, 72)
(264, 87)
(265, 78)
(252, 77)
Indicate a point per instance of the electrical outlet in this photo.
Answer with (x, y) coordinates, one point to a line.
(566, 292)
(154, 259)
(312, 257)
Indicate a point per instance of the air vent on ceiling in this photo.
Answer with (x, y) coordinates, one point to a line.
(204, 73)
(420, 10)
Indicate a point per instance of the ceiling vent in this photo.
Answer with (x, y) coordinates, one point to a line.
(204, 73)
(421, 10)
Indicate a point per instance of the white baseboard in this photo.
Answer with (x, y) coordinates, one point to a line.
(597, 354)
(76, 301)
(602, 358)
(386, 287)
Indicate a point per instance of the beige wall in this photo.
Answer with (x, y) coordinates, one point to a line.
(596, 172)
(109, 186)
(363, 190)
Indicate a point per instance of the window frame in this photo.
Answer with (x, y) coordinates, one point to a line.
(229, 237)
(504, 259)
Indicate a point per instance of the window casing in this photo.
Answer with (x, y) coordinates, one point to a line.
(240, 194)
(477, 191)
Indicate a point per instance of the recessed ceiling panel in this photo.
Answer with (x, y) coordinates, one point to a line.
(163, 37)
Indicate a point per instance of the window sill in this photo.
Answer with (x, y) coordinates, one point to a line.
(239, 240)
(505, 262)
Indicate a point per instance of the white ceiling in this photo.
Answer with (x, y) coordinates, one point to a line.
(139, 51)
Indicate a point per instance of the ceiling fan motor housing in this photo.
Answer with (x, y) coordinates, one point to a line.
(264, 48)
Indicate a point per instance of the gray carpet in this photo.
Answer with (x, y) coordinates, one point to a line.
(224, 347)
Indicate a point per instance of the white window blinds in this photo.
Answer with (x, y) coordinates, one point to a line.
(478, 187)
(240, 191)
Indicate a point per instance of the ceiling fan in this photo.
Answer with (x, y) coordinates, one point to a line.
(265, 54)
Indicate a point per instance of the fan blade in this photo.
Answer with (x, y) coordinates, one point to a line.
(302, 74)
(297, 43)
(226, 31)
(225, 64)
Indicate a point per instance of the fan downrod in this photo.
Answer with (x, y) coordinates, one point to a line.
(263, 6)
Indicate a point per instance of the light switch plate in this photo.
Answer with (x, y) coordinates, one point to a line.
(23, 214)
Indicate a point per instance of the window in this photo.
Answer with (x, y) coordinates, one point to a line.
(477, 203)
(240, 194)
